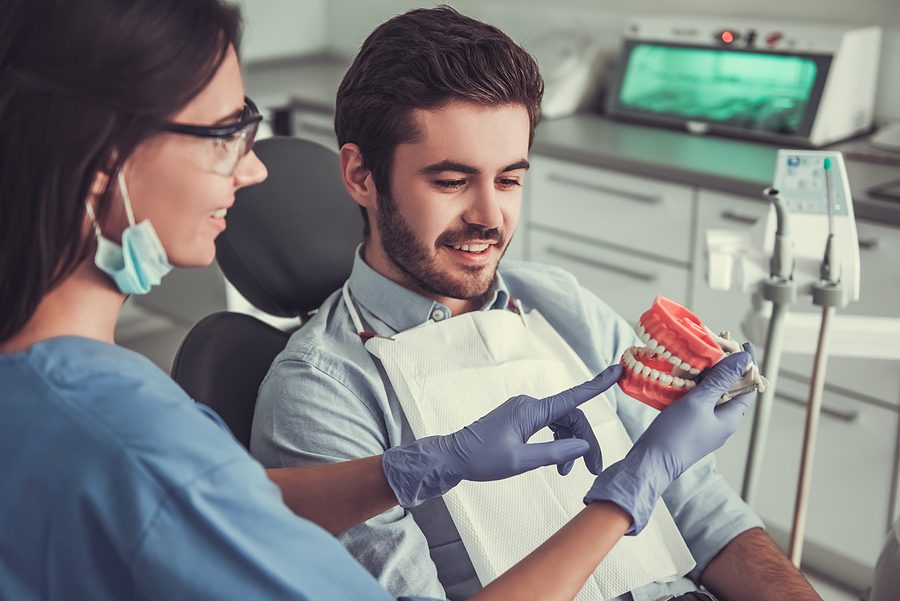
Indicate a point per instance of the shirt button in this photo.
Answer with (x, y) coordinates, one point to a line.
(438, 315)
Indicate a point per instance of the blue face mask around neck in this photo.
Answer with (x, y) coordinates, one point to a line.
(140, 262)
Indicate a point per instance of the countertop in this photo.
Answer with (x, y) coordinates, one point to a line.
(730, 165)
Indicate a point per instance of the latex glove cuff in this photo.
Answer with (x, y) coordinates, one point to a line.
(631, 485)
(416, 471)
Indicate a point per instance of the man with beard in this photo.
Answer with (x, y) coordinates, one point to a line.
(435, 119)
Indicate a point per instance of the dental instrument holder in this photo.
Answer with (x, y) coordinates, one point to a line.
(795, 263)
(781, 291)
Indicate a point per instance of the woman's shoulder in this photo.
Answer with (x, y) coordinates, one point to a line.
(106, 400)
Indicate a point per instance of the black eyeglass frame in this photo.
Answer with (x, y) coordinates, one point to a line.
(249, 116)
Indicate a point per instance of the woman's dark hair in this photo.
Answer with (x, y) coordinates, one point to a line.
(424, 59)
(82, 83)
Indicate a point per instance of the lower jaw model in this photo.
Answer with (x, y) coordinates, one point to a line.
(678, 348)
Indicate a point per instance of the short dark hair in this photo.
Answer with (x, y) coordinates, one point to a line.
(82, 84)
(424, 59)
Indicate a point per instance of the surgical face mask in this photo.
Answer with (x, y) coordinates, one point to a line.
(140, 262)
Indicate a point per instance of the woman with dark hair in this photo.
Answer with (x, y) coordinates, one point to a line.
(124, 134)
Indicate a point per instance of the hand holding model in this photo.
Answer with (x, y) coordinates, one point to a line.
(689, 429)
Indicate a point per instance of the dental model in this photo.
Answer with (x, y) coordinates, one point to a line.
(678, 348)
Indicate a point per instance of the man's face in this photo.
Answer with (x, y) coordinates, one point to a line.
(454, 200)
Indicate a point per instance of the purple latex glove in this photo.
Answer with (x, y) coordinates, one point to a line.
(496, 446)
(688, 430)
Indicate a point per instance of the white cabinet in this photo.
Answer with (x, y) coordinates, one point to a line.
(625, 238)
(627, 283)
(639, 214)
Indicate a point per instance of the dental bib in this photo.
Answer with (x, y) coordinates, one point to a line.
(448, 374)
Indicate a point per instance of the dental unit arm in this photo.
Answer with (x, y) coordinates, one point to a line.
(810, 237)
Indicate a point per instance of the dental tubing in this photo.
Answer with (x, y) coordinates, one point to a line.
(678, 348)
(828, 294)
(781, 292)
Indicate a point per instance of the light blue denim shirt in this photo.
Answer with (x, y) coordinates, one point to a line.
(324, 400)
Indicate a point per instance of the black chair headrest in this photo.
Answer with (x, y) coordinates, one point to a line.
(290, 240)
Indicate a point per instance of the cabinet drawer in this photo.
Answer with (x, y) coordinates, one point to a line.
(628, 284)
(623, 210)
(852, 472)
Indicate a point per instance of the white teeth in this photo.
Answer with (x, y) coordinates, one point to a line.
(674, 360)
(694, 371)
(689, 384)
(640, 331)
(652, 344)
(666, 379)
(645, 337)
(660, 349)
(475, 248)
(654, 374)
(678, 383)
(645, 371)
(220, 213)
(685, 366)
(637, 367)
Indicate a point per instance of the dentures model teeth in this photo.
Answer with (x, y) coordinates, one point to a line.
(678, 348)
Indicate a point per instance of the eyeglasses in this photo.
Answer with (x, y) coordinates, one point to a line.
(228, 144)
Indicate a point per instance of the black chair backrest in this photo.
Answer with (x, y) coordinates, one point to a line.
(222, 362)
(288, 245)
(290, 240)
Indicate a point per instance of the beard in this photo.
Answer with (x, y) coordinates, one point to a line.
(415, 259)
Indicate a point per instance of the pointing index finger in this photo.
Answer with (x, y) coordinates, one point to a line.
(563, 403)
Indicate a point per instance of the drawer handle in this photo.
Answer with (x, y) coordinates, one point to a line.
(844, 416)
(631, 273)
(646, 198)
(868, 243)
(730, 215)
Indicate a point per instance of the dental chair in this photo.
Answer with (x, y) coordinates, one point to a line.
(289, 244)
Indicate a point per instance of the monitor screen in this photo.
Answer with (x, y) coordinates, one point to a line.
(741, 89)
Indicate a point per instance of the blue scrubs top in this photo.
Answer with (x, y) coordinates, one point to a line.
(114, 484)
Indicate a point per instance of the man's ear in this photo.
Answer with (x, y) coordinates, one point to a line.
(357, 178)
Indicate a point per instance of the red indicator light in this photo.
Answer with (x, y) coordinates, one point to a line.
(727, 37)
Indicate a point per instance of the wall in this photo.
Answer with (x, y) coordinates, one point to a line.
(277, 28)
(350, 21)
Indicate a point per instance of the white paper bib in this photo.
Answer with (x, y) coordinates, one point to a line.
(448, 374)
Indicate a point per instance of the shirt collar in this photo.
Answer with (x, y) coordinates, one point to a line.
(400, 308)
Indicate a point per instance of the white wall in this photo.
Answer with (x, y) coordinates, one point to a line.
(350, 21)
(277, 28)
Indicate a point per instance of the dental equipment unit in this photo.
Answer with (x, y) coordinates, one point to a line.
(810, 237)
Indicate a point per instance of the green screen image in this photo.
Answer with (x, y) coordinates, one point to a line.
(748, 90)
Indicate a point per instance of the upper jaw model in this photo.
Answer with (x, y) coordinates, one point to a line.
(678, 348)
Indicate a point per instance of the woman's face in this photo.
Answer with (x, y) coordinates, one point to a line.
(171, 182)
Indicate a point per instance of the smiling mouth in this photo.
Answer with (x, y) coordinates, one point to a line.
(678, 347)
(471, 248)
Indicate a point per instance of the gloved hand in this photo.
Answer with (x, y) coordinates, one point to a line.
(688, 430)
(495, 446)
